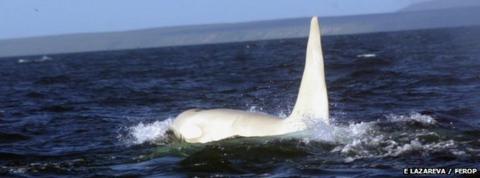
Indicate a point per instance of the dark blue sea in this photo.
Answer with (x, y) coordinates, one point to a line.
(398, 100)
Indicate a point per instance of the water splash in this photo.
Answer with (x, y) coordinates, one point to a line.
(350, 135)
(351, 141)
(142, 133)
(424, 119)
(366, 139)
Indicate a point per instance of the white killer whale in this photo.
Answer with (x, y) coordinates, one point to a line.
(201, 126)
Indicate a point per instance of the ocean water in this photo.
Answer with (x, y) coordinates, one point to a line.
(398, 100)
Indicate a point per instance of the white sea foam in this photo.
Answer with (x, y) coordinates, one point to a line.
(255, 109)
(42, 59)
(367, 55)
(22, 61)
(364, 140)
(142, 133)
(424, 119)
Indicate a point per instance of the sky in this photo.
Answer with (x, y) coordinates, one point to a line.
(27, 18)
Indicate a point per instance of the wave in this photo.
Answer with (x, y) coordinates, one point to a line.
(367, 55)
(38, 60)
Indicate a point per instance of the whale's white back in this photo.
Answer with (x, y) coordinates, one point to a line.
(201, 126)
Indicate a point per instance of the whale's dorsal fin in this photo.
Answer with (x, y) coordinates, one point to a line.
(312, 99)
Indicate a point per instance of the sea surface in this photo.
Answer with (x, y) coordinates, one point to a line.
(398, 100)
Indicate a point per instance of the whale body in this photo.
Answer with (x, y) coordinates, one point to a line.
(201, 126)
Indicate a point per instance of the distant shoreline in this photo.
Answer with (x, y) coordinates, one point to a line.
(238, 32)
(194, 45)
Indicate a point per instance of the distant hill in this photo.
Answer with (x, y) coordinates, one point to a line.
(441, 4)
(237, 32)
